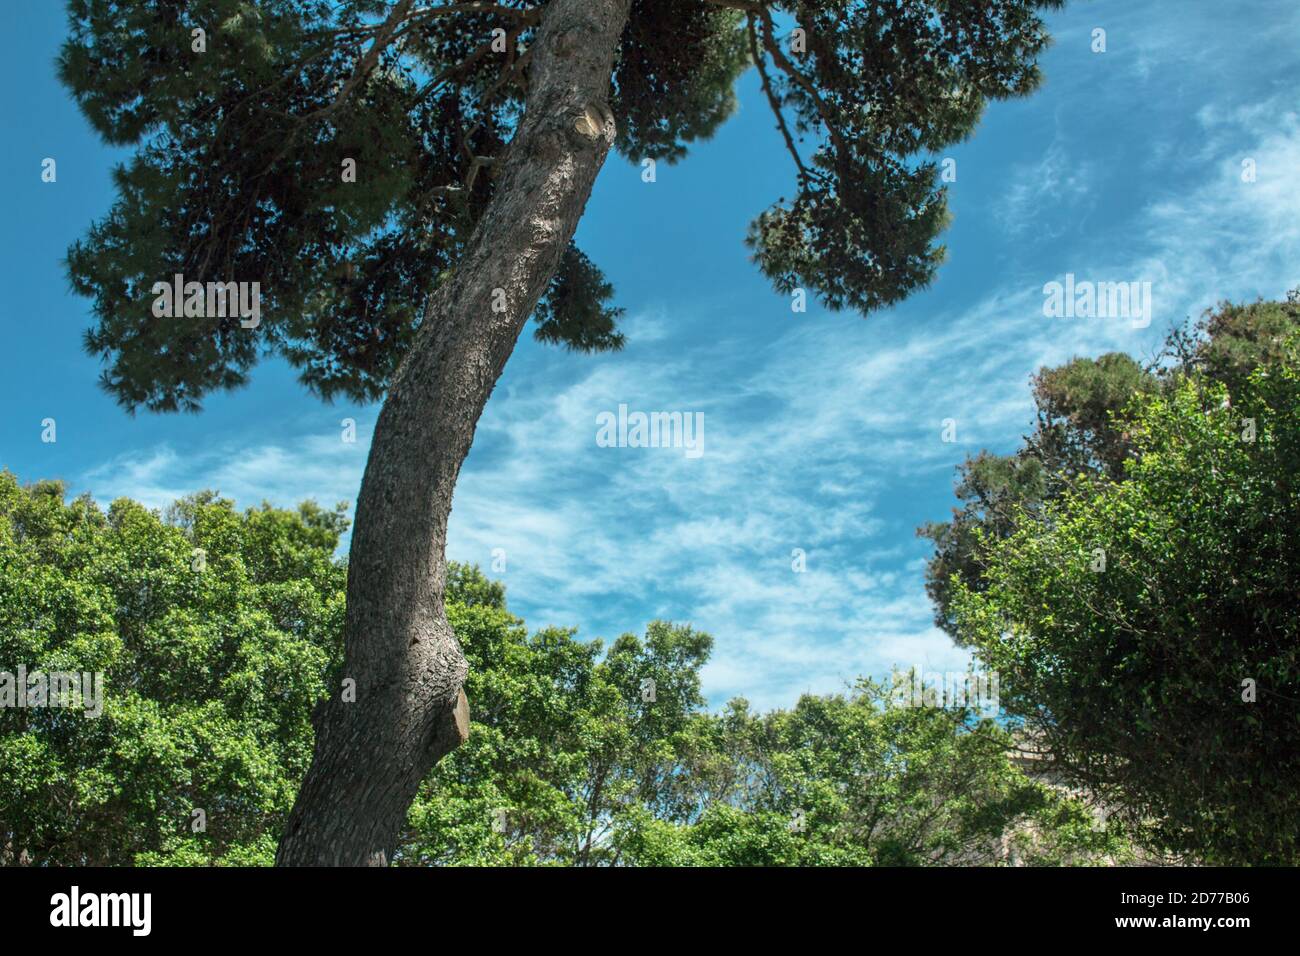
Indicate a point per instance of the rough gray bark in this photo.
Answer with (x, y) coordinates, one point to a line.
(410, 710)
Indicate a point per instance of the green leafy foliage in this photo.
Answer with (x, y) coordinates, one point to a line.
(857, 780)
(563, 746)
(1082, 431)
(578, 755)
(1147, 627)
(209, 675)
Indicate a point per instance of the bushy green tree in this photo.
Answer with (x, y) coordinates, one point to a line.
(214, 632)
(1148, 628)
(1081, 432)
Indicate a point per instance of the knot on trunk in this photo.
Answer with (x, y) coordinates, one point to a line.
(452, 726)
(595, 121)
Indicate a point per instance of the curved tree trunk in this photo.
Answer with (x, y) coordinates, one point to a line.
(410, 710)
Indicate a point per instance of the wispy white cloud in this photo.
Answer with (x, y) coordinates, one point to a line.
(1060, 181)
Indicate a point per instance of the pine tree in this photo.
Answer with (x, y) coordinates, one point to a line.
(404, 182)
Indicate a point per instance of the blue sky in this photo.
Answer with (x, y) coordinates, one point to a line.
(822, 431)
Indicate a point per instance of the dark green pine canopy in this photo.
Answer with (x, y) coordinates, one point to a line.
(241, 146)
